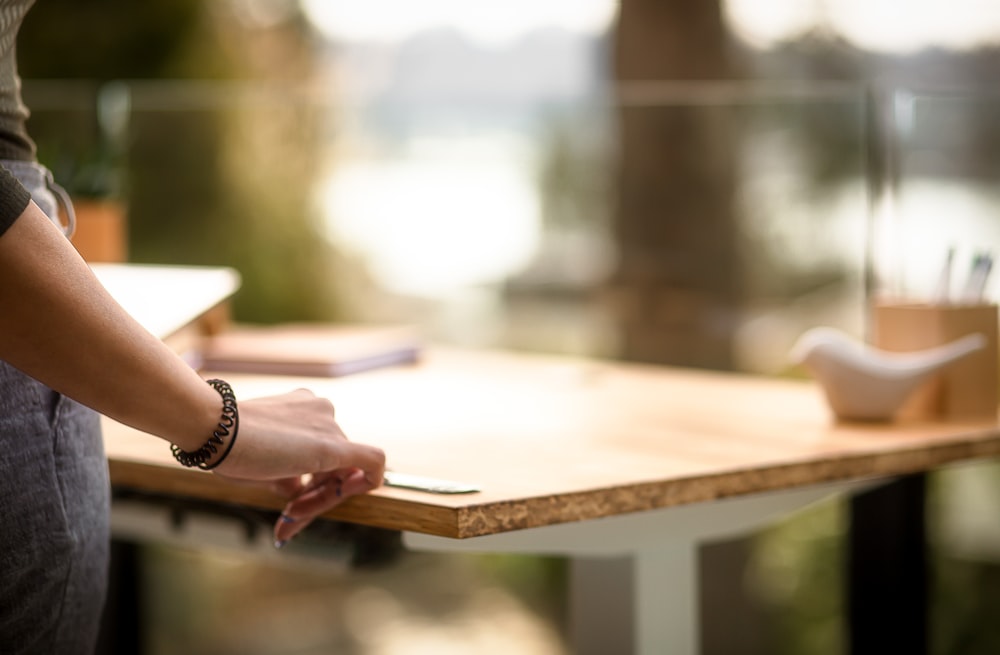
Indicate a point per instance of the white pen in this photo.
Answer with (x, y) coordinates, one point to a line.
(943, 294)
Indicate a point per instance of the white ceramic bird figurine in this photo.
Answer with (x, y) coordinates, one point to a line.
(862, 382)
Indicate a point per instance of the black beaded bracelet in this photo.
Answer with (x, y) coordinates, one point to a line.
(229, 426)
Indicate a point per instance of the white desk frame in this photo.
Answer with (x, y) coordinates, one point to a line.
(663, 545)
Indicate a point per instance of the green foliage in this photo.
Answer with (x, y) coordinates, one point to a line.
(573, 174)
(201, 192)
(540, 582)
(798, 575)
(209, 177)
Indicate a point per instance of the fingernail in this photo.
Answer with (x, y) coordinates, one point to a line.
(285, 518)
(279, 543)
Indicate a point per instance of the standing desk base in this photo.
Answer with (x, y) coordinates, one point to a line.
(662, 545)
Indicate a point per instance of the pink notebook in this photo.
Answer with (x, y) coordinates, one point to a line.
(310, 349)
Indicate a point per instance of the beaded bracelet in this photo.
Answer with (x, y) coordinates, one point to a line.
(229, 426)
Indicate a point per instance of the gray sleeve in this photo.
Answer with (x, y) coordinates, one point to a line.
(14, 198)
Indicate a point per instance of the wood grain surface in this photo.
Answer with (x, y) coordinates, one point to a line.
(552, 440)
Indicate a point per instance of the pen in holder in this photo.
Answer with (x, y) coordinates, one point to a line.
(967, 388)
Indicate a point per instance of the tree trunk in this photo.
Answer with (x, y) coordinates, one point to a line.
(676, 289)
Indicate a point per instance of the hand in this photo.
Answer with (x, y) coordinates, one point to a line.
(294, 442)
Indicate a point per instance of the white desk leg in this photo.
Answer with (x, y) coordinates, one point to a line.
(662, 544)
(666, 599)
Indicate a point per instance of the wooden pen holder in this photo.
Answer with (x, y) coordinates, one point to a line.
(965, 389)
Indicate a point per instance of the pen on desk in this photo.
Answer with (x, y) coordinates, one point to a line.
(426, 484)
(943, 293)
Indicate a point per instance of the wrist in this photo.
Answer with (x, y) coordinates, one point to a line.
(213, 450)
(201, 413)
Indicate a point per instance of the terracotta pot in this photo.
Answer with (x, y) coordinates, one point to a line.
(101, 231)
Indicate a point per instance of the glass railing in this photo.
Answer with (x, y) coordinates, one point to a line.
(595, 222)
(940, 191)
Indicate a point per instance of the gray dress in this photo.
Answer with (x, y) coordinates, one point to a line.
(54, 491)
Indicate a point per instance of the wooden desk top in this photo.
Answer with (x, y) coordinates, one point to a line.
(552, 440)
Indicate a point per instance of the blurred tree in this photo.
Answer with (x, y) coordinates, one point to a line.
(676, 290)
(677, 287)
(213, 173)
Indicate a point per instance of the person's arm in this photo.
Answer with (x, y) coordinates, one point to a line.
(60, 326)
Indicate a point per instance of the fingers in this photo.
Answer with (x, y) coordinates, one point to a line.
(326, 491)
(294, 442)
(369, 459)
(289, 487)
(361, 471)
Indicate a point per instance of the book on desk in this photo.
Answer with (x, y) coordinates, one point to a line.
(308, 349)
